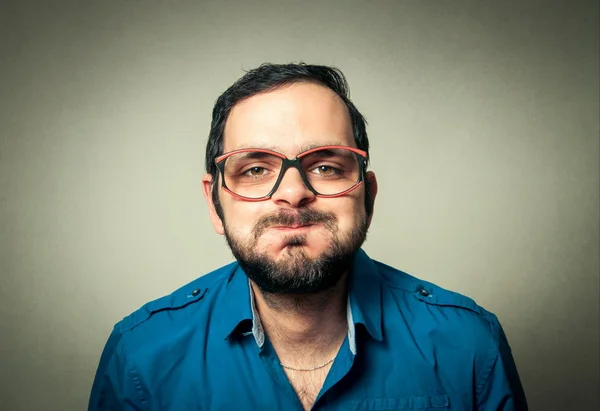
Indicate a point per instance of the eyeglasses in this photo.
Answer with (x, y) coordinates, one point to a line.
(254, 174)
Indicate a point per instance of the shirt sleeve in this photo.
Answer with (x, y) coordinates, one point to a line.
(116, 385)
(500, 387)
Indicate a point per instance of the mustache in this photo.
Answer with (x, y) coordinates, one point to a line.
(301, 217)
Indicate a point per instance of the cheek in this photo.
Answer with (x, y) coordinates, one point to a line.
(241, 216)
(350, 216)
(348, 210)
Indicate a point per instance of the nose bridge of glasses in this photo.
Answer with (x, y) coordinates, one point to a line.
(296, 177)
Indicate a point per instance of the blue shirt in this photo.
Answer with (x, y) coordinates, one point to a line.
(410, 345)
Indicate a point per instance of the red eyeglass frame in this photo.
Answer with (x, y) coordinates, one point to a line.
(295, 163)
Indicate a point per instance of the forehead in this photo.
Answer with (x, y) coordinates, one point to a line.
(289, 120)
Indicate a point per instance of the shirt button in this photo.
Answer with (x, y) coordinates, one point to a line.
(424, 292)
(196, 292)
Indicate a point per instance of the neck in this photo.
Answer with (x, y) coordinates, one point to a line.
(313, 325)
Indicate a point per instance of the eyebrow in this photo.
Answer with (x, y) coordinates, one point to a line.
(251, 155)
(302, 149)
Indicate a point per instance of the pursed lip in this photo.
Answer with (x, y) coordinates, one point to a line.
(292, 227)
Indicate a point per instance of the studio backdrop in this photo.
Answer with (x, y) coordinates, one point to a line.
(484, 130)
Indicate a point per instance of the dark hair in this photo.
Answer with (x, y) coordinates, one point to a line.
(268, 77)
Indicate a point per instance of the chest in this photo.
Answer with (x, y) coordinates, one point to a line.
(379, 379)
(307, 384)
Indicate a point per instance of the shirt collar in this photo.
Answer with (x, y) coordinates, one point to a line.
(364, 294)
(237, 314)
(364, 303)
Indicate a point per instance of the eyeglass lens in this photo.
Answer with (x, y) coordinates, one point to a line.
(253, 174)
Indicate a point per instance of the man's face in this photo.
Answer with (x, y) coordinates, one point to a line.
(294, 242)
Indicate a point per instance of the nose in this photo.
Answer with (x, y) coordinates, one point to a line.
(292, 191)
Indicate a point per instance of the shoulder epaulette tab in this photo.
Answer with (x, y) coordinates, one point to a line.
(432, 294)
(179, 299)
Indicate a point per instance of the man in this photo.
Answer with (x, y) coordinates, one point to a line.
(303, 319)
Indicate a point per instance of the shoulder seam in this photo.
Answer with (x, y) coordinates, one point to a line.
(491, 361)
(136, 383)
(130, 372)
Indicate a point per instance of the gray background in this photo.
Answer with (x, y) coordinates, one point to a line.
(483, 119)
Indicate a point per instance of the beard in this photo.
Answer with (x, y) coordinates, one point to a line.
(295, 272)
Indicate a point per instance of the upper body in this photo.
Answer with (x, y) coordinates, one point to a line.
(287, 184)
(410, 345)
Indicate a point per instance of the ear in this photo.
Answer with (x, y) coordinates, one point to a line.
(373, 191)
(207, 183)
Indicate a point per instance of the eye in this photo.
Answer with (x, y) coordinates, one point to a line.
(256, 172)
(325, 170)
